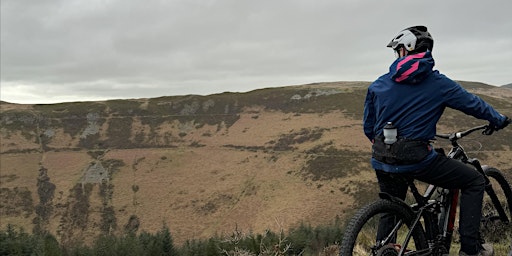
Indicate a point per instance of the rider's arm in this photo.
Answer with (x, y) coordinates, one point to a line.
(369, 116)
(458, 98)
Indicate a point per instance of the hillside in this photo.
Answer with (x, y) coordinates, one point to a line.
(203, 165)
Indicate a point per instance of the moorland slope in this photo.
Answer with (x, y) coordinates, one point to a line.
(202, 165)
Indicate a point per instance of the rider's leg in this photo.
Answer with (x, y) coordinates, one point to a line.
(395, 187)
(450, 173)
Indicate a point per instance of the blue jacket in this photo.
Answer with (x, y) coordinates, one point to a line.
(413, 96)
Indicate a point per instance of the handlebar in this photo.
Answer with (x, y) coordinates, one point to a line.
(487, 130)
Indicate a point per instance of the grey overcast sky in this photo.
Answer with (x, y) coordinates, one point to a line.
(82, 50)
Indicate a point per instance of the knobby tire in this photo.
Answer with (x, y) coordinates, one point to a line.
(350, 244)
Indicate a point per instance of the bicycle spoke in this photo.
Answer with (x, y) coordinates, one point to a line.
(366, 242)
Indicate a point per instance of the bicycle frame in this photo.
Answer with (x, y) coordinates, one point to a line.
(439, 214)
(457, 152)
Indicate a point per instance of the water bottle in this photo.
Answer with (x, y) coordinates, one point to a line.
(390, 133)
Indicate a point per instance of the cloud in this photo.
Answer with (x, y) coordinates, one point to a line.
(76, 50)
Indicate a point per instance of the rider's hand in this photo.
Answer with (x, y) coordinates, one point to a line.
(503, 125)
(507, 122)
(491, 128)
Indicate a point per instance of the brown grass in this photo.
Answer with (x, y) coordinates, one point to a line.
(192, 181)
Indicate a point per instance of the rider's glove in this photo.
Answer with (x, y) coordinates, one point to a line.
(503, 124)
(492, 127)
(507, 122)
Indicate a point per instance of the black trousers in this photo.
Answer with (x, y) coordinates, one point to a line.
(451, 174)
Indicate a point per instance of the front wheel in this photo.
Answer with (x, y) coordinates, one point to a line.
(380, 228)
(496, 223)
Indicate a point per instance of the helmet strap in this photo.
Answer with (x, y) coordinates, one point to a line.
(400, 52)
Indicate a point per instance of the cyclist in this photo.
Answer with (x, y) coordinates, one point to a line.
(405, 104)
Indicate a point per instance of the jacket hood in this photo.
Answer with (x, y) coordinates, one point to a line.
(412, 69)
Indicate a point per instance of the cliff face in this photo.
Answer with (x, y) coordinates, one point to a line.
(202, 165)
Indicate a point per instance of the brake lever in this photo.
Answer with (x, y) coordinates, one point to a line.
(488, 130)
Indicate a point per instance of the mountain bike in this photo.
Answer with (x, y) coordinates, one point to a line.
(426, 227)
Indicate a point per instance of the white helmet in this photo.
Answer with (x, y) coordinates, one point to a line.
(414, 39)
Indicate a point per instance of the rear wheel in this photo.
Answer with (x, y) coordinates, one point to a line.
(360, 237)
(497, 226)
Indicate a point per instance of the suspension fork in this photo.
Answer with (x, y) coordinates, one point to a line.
(488, 187)
(490, 191)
